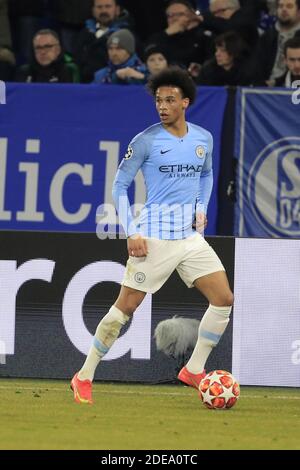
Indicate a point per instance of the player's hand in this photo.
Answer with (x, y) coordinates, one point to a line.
(137, 246)
(200, 222)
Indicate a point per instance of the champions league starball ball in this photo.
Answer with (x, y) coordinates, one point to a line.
(219, 390)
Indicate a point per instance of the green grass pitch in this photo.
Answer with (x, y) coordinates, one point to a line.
(41, 414)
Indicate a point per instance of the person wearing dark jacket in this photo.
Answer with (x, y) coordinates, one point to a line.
(292, 60)
(232, 65)
(184, 41)
(50, 65)
(229, 15)
(91, 51)
(270, 49)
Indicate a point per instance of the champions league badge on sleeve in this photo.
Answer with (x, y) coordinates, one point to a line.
(129, 153)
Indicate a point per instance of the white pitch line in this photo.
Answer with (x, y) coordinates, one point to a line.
(128, 392)
(116, 392)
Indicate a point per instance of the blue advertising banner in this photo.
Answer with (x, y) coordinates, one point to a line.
(268, 151)
(60, 146)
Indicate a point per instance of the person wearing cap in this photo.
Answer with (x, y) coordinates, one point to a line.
(124, 66)
(91, 49)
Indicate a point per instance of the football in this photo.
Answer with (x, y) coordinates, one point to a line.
(219, 390)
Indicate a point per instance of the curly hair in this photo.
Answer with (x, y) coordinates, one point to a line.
(293, 43)
(174, 77)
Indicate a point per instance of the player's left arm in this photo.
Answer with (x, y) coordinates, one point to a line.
(205, 189)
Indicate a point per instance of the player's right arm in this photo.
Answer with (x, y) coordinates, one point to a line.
(130, 165)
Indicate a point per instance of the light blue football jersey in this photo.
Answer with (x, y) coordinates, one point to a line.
(178, 177)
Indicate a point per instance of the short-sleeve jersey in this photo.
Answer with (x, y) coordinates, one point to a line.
(178, 178)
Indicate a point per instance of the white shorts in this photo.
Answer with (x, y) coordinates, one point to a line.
(192, 257)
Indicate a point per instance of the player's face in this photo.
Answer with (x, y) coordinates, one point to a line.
(170, 105)
(293, 61)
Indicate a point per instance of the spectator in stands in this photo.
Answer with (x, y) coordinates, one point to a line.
(228, 15)
(292, 60)
(71, 16)
(270, 53)
(156, 59)
(232, 64)
(50, 64)
(91, 50)
(26, 17)
(124, 66)
(184, 40)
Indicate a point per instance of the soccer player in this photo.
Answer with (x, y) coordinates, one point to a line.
(175, 157)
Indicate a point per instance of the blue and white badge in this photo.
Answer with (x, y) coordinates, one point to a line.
(273, 187)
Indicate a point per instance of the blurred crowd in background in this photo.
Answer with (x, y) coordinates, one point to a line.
(220, 42)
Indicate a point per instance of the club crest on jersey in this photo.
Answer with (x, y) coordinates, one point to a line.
(129, 153)
(200, 151)
(139, 277)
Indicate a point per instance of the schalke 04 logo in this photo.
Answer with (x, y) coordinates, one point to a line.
(274, 187)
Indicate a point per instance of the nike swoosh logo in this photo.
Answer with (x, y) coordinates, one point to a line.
(165, 151)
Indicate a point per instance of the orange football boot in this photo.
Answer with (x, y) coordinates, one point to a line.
(193, 380)
(82, 390)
